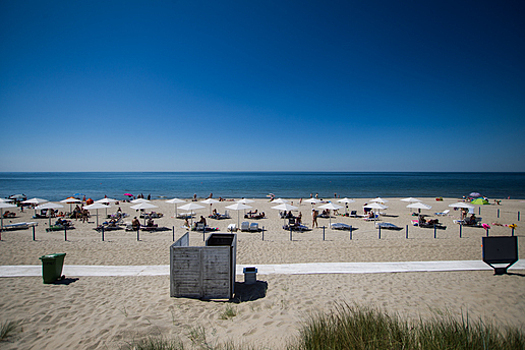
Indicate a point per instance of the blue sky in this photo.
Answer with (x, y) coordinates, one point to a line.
(262, 85)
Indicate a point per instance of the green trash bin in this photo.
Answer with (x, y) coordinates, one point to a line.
(52, 267)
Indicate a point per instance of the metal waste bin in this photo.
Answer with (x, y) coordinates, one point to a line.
(52, 267)
(250, 275)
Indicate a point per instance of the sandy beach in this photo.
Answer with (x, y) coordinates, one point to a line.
(103, 312)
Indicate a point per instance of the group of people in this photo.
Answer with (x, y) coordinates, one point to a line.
(80, 213)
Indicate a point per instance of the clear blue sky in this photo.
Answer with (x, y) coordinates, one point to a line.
(262, 85)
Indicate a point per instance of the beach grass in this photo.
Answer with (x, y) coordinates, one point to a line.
(360, 328)
(7, 329)
(352, 327)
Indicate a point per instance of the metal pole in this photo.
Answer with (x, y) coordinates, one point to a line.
(460, 233)
(518, 216)
(513, 231)
(498, 213)
(350, 232)
(379, 231)
(34, 234)
(102, 233)
(290, 233)
(479, 210)
(203, 233)
(173, 230)
(65, 233)
(263, 233)
(487, 232)
(138, 234)
(406, 231)
(434, 230)
(323, 233)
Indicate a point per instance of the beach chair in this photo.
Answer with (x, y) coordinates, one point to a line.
(353, 214)
(443, 213)
(254, 227)
(245, 226)
(232, 228)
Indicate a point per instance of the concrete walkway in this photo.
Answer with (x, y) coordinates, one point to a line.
(284, 269)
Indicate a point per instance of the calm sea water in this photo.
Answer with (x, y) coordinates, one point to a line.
(57, 186)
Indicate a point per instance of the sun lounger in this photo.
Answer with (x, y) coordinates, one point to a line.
(341, 226)
(388, 226)
(20, 225)
(245, 226)
(296, 228)
(254, 227)
(232, 228)
(443, 213)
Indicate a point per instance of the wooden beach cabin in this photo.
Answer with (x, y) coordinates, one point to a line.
(206, 272)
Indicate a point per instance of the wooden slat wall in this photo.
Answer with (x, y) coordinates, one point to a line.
(202, 272)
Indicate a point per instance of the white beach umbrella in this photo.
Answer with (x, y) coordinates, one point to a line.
(70, 201)
(410, 200)
(175, 201)
(461, 205)
(96, 206)
(284, 206)
(346, 201)
(191, 207)
(312, 201)
(106, 201)
(210, 201)
(140, 200)
(330, 206)
(143, 205)
(35, 201)
(378, 200)
(245, 201)
(49, 205)
(6, 200)
(280, 200)
(376, 205)
(2, 206)
(238, 206)
(419, 206)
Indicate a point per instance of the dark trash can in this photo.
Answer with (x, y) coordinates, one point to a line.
(52, 267)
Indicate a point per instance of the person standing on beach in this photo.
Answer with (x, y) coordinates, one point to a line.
(314, 218)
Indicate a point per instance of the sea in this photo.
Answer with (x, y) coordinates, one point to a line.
(55, 186)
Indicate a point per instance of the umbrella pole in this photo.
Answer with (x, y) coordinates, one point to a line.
(97, 217)
(2, 219)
